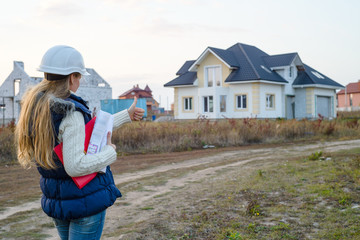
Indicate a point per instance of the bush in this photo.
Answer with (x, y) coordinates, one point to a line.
(7, 147)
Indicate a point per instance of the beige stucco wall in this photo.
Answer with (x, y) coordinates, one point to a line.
(256, 98)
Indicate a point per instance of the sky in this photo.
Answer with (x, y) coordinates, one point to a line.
(131, 42)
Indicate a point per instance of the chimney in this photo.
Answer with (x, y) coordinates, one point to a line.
(137, 85)
(19, 64)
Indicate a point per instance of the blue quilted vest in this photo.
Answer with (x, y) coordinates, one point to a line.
(61, 198)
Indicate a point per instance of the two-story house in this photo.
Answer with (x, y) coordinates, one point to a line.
(243, 81)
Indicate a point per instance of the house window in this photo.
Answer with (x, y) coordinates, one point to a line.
(223, 103)
(290, 72)
(16, 86)
(241, 101)
(270, 99)
(208, 104)
(188, 104)
(101, 84)
(351, 99)
(213, 76)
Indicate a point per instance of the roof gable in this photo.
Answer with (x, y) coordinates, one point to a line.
(223, 55)
(94, 79)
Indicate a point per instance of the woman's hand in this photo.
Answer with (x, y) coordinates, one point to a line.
(109, 140)
(135, 113)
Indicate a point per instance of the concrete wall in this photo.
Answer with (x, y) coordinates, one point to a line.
(300, 103)
(278, 110)
(186, 92)
(256, 101)
(92, 89)
(7, 92)
(305, 101)
(93, 95)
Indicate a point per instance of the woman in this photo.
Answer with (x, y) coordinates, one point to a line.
(51, 113)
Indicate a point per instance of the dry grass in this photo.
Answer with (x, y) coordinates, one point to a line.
(188, 135)
(145, 137)
(7, 148)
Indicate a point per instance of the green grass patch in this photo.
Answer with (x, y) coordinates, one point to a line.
(147, 208)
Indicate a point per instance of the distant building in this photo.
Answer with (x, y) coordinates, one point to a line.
(93, 88)
(151, 104)
(349, 98)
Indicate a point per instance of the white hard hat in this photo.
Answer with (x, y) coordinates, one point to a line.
(62, 60)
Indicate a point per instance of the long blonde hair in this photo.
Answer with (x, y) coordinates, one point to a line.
(35, 131)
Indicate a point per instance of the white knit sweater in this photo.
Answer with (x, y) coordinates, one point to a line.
(72, 134)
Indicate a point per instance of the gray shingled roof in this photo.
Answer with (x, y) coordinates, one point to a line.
(252, 65)
(310, 77)
(227, 56)
(184, 68)
(187, 78)
(279, 60)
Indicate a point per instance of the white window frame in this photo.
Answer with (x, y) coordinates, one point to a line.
(206, 83)
(267, 101)
(241, 95)
(207, 99)
(190, 104)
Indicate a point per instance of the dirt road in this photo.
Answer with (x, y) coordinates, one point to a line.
(147, 192)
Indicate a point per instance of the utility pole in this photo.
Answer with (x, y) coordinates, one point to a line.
(345, 99)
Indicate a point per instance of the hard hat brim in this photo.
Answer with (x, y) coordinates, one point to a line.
(53, 70)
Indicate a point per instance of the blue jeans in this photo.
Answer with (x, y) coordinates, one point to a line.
(89, 228)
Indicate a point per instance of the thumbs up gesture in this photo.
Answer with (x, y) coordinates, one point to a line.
(135, 113)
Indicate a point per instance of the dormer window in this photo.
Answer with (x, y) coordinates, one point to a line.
(101, 84)
(290, 71)
(265, 68)
(318, 75)
(212, 76)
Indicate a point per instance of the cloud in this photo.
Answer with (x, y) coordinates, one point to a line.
(59, 8)
(161, 26)
(126, 3)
